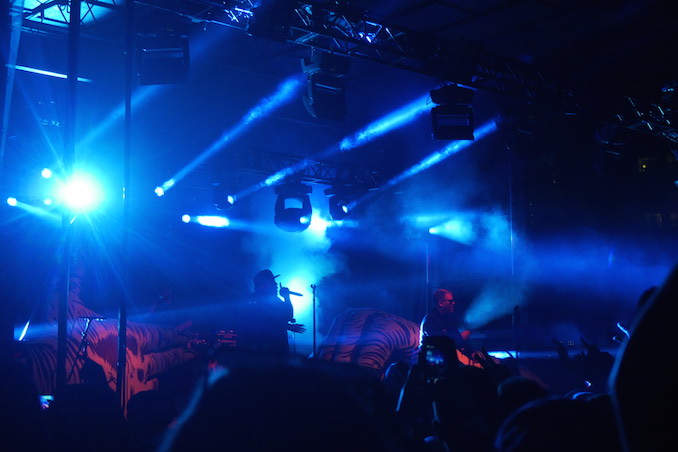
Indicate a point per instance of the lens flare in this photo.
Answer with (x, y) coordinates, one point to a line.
(81, 192)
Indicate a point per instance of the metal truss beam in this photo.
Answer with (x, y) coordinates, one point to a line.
(656, 118)
(338, 29)
(56, 12)
(265, 163)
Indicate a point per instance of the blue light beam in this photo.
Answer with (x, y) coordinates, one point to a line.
(285, 92)
(139, 97)
(460, 229)
(48, 73)
(33, 210)
(143, 94)
(377, 128)
(386, 124)
(443, 154)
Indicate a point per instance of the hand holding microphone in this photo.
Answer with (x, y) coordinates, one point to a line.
(286, 292)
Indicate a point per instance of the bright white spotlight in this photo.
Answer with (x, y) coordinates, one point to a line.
(81, 192)
(317, 225)
(159, 191)
(503, 354)
(46, 173)
(12, 201)
(22, 336)
(48, 201)
(213, 221)
(186, 218)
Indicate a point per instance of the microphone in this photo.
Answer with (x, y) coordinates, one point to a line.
(296, 293)
(92, 317)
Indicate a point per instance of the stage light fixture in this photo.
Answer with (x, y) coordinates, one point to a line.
(452, 122)
(293, 206)
(339, 208)
(325, 97)
(452, 94)
(453, 118)
(340, 200)
(224, 199)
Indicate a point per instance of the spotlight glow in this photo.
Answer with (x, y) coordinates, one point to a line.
(12, 201)
(46, 173)
(22, 336)
(186, 218)
(318, 225)
(81, 193)
(159, 191)
(212, 221)
(459, 229)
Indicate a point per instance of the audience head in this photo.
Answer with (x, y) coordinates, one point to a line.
(560, 424)
(298, 405)
(517, 391)
(23, 427)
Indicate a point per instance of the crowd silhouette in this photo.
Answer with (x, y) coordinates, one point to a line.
(246, 401)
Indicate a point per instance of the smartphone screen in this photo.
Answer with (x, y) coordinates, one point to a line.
(434, 357)
(45, 400)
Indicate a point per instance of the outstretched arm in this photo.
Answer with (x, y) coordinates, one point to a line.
(296, 327)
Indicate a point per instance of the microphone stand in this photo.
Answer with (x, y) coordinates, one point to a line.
(314, 322)
(515, 320)
(82, 348)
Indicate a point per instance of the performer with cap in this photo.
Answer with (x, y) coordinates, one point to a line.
(267, 317)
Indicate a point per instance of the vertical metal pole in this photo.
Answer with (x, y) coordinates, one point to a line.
(6, 76)
(11, 19)
(314, 323)
(515, 318)
(427, 282)
(68, 159)
(122, 308)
